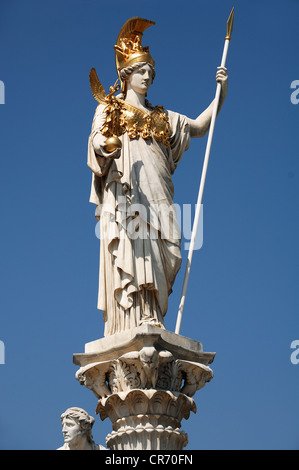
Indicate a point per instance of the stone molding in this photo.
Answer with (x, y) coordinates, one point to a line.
(146, 419)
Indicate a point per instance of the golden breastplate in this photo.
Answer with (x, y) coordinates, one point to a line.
(123, 117)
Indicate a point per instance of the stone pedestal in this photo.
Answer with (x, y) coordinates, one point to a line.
(144, 380)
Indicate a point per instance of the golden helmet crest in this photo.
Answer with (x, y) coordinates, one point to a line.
(128, 48)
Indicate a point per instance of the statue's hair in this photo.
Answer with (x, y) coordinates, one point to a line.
(127, 71)
(85, 421)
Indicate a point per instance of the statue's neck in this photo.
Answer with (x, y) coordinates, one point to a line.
(80, 444)
(136, 99)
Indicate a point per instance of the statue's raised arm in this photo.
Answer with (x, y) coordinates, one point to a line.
(200, 126)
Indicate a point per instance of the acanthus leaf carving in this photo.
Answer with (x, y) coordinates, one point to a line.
(123, 377)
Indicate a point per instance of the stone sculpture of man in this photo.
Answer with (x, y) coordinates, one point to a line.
(76, 429)
(134, 148)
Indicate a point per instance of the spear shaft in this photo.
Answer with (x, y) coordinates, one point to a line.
(203, 176)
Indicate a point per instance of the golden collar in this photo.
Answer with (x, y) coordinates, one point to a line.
(122, 117)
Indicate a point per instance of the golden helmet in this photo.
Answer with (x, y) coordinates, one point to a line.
(128, 48)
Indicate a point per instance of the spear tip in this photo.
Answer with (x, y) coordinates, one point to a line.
(230, 24)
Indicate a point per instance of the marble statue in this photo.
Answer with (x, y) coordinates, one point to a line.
(76, 429)
(133, 150)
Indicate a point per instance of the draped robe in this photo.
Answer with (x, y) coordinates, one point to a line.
(139, 234)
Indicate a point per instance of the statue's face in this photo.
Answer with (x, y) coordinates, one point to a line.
(71, 430)
(141, 79)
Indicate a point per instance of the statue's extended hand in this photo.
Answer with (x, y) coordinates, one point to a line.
(113, 146)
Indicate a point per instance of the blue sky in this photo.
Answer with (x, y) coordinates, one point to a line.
(242, 300)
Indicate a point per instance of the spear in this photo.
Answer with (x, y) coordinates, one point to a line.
(203, 176)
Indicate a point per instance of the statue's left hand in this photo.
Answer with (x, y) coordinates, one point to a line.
(222, 77)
